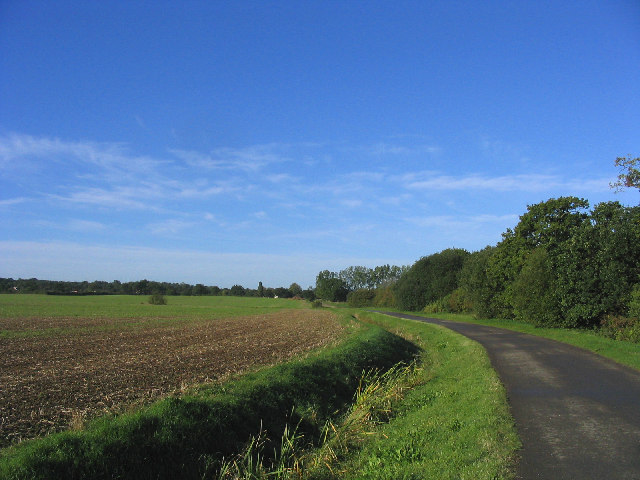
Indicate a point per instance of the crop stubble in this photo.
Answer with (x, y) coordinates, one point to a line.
(49, 382)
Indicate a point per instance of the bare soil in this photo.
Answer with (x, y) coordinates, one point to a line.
(55, 382)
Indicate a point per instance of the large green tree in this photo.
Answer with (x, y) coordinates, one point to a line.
(597, 269)
(548, 225)
(430, 279)
(330, 287)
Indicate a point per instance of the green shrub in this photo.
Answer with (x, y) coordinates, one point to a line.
(157, 299)
(361, 298)
(532, 292)
(634, 303)
(439, 306)
(429, 279)
(621, 328)
(316, 304)
(385, 297)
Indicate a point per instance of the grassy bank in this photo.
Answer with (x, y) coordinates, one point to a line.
(455, 423)
(186, 436)
(625, 353)
(443, 417)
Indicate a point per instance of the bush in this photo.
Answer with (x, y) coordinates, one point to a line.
(439, 306)
(157, 299)
(385, 297)
(621, 328)
(316, 304)
(634, 303)
(533, 290)
(429, 279)
(361, 298)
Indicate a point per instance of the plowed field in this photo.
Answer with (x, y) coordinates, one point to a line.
(50, 382)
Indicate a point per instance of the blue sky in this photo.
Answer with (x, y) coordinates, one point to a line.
(238, 142)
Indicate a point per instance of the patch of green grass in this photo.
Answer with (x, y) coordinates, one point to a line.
(187, 436)
(134, 308)
(623, 352)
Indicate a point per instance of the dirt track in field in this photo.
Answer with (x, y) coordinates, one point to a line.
(49, 383)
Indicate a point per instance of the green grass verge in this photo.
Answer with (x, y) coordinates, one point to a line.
(182, 437)
(625, 353)
(455, 423)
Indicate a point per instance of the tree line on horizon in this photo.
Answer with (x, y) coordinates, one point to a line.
(146, 287)
(562, 265)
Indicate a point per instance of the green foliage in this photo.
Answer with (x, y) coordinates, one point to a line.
(295, 289)
(456, 302)
(361, 298)
(479, 285)
(157, 299)
(359, 277)
(629, 176)
(429, 279)
(316, 304)
(237, 291)
(331, 288)
(621, 328)
(634, 302)
(533, 296)
(561, 265)
(309, 295)
(385, 297)
(597, 267)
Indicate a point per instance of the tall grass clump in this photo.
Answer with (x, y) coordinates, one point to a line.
(376, 397)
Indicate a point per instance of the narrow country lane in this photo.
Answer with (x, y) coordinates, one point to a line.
(577, 414)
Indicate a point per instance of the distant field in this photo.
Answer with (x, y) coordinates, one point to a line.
(64, 359)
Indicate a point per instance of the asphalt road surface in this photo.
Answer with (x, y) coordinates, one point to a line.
(577, 414)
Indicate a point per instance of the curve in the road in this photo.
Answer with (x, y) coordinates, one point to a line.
(577, 413)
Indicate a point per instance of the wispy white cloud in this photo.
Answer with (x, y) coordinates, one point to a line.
(13, 201)
(170, 226)
(119, 198)
(79, 225)
(461, 222)
(351, 203)
(110, 158)
(502, 183)
(72, 225)
(283, 178)
(251, 159)
(387, 149)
